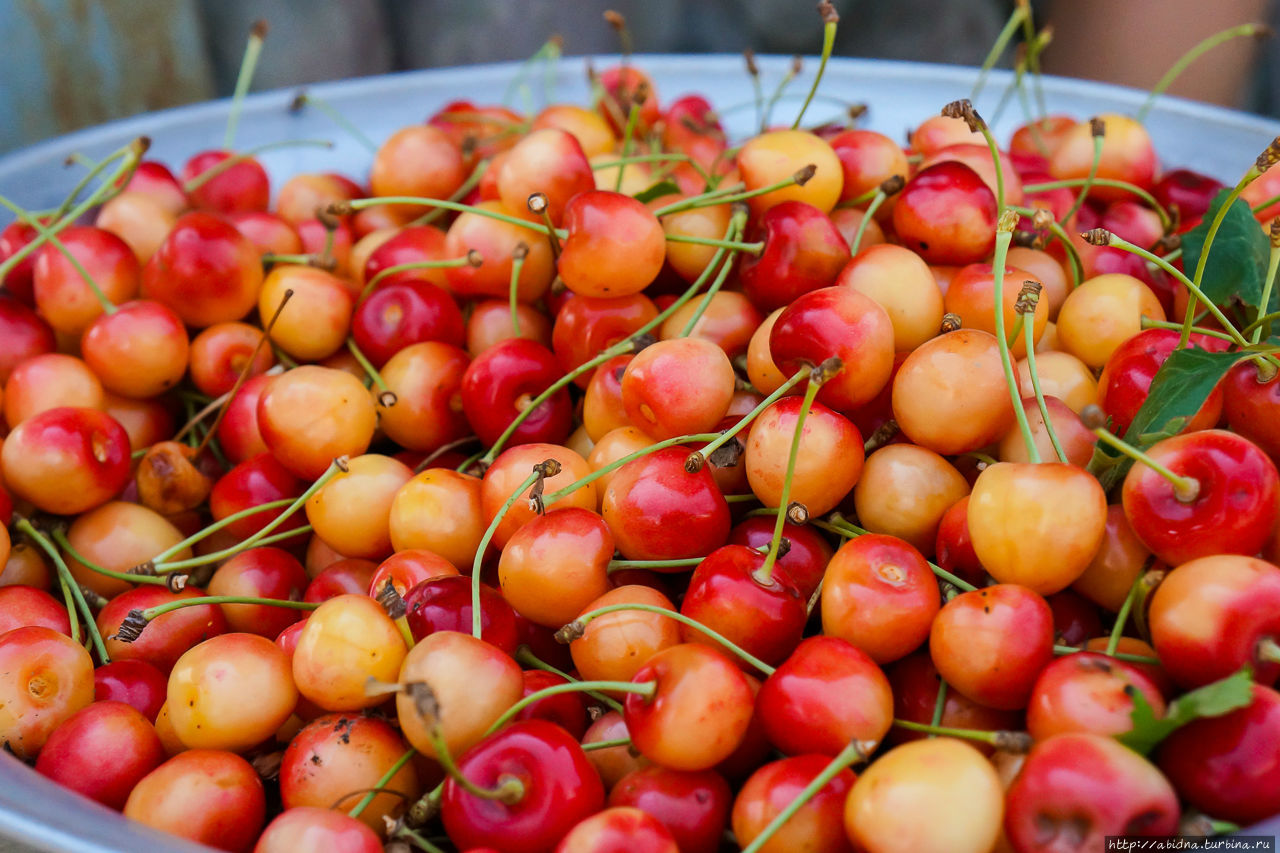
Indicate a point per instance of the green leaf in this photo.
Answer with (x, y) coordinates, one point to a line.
(1212, 700)
(658, 190)
(1237, 266)
(1177, 392)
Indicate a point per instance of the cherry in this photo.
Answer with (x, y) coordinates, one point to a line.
(444, 604)
(101, 752)
(626, 87)
(418, 160)
(566, 710)
(826, 695)
(426, 409)
(117, 536)
(900, 281)
(498, 243)
(709, 222)
(549, 161)
(315, 325)
(333, 759)
(1127, 376)
(206, 271)
(681, 386)
(316, 828)
(398, 314)
(916, 683)
(503, 381)
(615, 245)
(692, 805)
(406, 569)
(556, 565)
(490, 323)
(1127, 155)
(18, 280)
(829, 462)
(991, 644)
(25, 335)
(806, 559)
(586, 325)
(66, 460)
(344, 641)
(619, 829)
(63, 297)
(513, 467)
(256, 481)
(657, 510)
(351, 511)
(50, 677)
(480, 131)
(971, 297)
(21, 606)
(222, 352)
(904, 491)
(134, 682)
(1250, 404)
(773, 787)
(238, 433)
(771, 157)
(167, 636)
(939, 131)
(880, 595)
(1222, 498)
(49, 381)
(977, 156)
(867, 159)
(945, 775)
(698, 713)
(441, 511)
(239, 187)
(311, 415)
(555, 787)
(947, 214)
(205, 795)
(139, 351)
(260, 573)
(1075, 789)
(1102, 313)
(616, 645)
(803, 251)
(269, 233)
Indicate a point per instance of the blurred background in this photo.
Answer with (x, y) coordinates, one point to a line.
(73, 63)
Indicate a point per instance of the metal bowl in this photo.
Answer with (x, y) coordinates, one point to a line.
(1219, 142)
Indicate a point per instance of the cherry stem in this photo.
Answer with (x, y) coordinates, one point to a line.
(1268, 650)
(1020, 14)
(830, 20)
(1272, 263)
(382, 783)
(630, 457)
(24, 525)
(1077, 267)
(526, 656)
(764, 574)
(1028, 301)
(722, 195)
(252, 50)
(409, 836)
(64, 543)
(546, 468)
(606, 744)
(1125, 656)
(840, 526)
(108, 307)
(876, 200)
(386, 397)
(1192, 55)
(1003, 236)
(112, 186)
(793, 70)
(214, 527)
(731, 245)
(306, 99)
(94, 170)
(338, 465)
(441, 451)
(707, 297)
(620, 565)
(69, 602)
(342, 208)
(510, 790)
(1104, 182)
(855, 752)
(728, 435)
(549, 51)
(1006, 740)
(471, 259)
(939, 704)
(517, 265)
(1152, 323)
(232, 161)
(169, 606)
(1122, 617)
(1185, 489)
(628, 134)
(1189, 318)
(642, 688)
(577, 627)
(472, 181)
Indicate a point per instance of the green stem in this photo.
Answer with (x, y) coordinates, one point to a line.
(1185, 489)
(1077, 268)
(308, 99)
(990, 738)
(630, 457)
(1098, 141)
(448, 263)
(1104, 182)
(1006, 362)
(628, 133)
(1029, 343)
(476, 614)
(848, 756)
(1189, 318)
(517, 265)
(1191, 56)
(606, 744)
(1272, 264)
(687, 562)
(644, 688)
(939, 703)
(69, 602)
(341, 208)
(876, 201)
(731, 245)
(578, 626)
(746, 420)
(60, 537)
(764, 574)
(828, 43)
(49, 234)
(64, 575)
(249, 153)
(719, 281)
(526, 656)
(1152, 323)
(368, 368)
(169, 606)
(213, 528)
(1001, 42)
(84, 181)
(248, 63)
(1124, 656)
(472, 181)
(1117, 630)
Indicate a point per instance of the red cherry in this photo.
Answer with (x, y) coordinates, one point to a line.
(66, 460)
(657, 510)
(206, 271)
(619, 829)
(692, 805)
(549, 161)
(134, 682)
(256, 481)
(24, 334)
(409, 245)
(1252, 407)
(586, 325)
(803, 251)
(102, 752)
(444, 604)
(818, 825)
(348, 576)
(915, 682)
(312, 828)
(805, 561)
(260, 573)
(206, 795)
(947, 214)
(400, 313)
(1088, 692)
(954, 548)
(615, 245)
(503, 381)
(166, 637)
(18, 281)
(21, 606)
(238, 433)
(566, 710)
(1190, 192)
(243, 186)
(1126, 378)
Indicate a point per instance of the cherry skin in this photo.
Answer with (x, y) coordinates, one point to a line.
(102, 751)
(406, 569)
(903, 492)
(586, 325)
(1233, 511)
(118, 536)
(66, 460)
(971, 297)
(616, 645)
(657, 510)
(991, 644)
(513, 467)
(133, 682)
(867, 159)
(241, 187)
(1251, 406)
(915, 682)
(311, 415)
(977, 156)
(549, 161)
(947, 214)
(900, 281)
(558, 788)
(262, 573)
(678, 387)
(1074, 789)
(566, 710)
(1222, 765)
(774, 786)
(18, 281)
(1127, 155)
(166, 637)
(444, 604)
(62, 296)
(503, 381)
(1209, 617)
(140, 351)
(50, 678)
(205, 795)
(826, 695)
(1125, 380)
(345, 641)
(625, 87)
(803, 251)
(805, 561)
(842, 323)
(490, 324)
(25, 335)
(255, 481)
(220, 353)
(556, 565)
(828, 463)
(498, 242)
(49, 381)
(619, 829)
(766, 618)
(426, 379)
(615, 245)
(1088, 692)
(1102, 313)
(615, 762)
(21, 606)
(351, 511)
(692, 805)
(776, 155)
(238, 434)
(418, 160)
(1075, 618)
(880, 595)
(316, 828)
(452, 504)
(698, 714)
(206, 271)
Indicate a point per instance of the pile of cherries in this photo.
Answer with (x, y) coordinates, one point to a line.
(572, 480)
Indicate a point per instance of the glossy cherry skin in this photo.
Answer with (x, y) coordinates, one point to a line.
(765, 618)
(803, 251)
(255, 481)
(615, 245)
(1088, 692)
(102, 751)
(134, 682)
(66, 460)
(992, 643)
(880, 595)
(586, 325)
(805, 561)
(555, 565)
(25, 605)
(1075, 618)
(24, 333)
(312, 828)
(1125, 380)
(166, 637)
(1127, 155)
(549, 161)
(818, 825)
(946, 214)
(243, 186)
(205, 795)
(775, 155)
(398, 314)
(619, 829)
(261, 573)
(503, 381)
(698, 714)
(238, 434)
(206, 271)
(18, 281)
(1208, 617)
(836, 322)
(829, 461)
(1234, 511)
(953, 549)
(657, 510)
(693, 805)
(49, 678)
(915, 682)
(345, 576)
(1252, 407)
(1189, 191)
(827, 694)
(560, 788)
(1225, 766)
(1074, 789)
(62, 297)
(409, 245)
(566, 710)
(444, 604)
